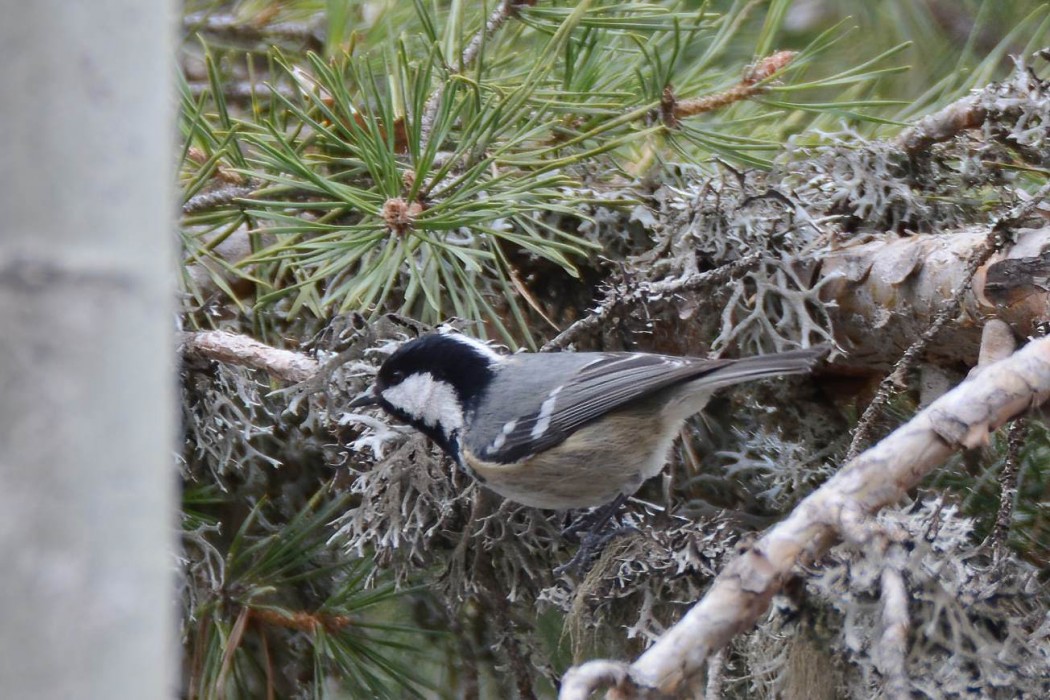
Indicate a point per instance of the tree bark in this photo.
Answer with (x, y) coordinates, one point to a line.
(884, 293)
(87, 501)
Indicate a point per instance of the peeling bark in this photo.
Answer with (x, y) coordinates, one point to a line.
(884, 293)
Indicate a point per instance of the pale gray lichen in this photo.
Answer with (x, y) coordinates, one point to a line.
(979, 627)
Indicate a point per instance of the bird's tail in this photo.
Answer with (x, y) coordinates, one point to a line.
(747, 369)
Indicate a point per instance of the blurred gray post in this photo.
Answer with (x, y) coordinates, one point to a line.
(87, 485)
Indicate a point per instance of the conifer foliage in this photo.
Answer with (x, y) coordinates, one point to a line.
(735, 177)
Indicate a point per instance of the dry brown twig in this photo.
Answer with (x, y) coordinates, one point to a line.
(301, 620)
(673, 110)
(962, 418)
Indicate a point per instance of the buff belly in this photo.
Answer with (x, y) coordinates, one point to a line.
(587, 469)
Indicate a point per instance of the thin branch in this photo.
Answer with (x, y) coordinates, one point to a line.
(232, 28)
(501, 14)
(992, 105)
(504, 11)
(612, 303)
(301, 620)
(962, 418)
(967, 113)
(893, 644)
(753, 83)
(243, 91)
(715, 676)
(215, 198)
(1008, 487)
(496, 600)
(241, 350)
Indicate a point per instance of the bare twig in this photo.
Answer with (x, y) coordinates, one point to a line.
(234, 349)
(1008, 486)
(893, 644)
(715, 676)
(962, 418)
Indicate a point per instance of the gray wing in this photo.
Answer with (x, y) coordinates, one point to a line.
(580, 394)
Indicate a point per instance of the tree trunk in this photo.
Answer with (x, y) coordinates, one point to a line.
(86, 395)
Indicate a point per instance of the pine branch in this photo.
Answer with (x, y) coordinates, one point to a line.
(962, 418)
(996, 238)
(503, 12)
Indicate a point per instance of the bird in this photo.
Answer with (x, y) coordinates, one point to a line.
(556, 430)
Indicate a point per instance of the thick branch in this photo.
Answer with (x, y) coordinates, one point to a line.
(962, 418)
(886, 292)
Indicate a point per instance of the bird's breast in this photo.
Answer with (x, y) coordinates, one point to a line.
(591, 467)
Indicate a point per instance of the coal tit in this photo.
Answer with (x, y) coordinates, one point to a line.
(556, 430)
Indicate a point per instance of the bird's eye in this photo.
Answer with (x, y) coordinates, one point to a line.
(397, 376)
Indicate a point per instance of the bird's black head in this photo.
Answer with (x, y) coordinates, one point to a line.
(432, 382)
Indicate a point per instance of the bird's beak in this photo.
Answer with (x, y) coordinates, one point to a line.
(365, 398)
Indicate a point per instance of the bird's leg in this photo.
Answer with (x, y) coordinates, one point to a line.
(594, 520)
(593, 534)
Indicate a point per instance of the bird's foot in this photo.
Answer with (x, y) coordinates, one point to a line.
(594, 535)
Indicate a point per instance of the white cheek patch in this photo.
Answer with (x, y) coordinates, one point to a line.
(428, 400)
(546, 410)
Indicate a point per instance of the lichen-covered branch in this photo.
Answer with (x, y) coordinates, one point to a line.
(962, 418)
(990, 108)
(614, 302)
